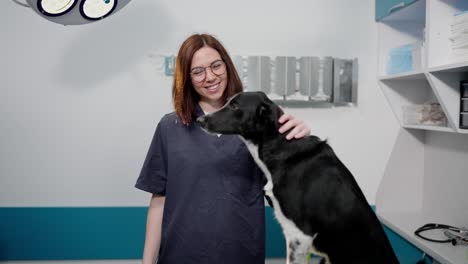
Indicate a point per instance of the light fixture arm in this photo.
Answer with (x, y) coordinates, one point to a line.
(21, 3)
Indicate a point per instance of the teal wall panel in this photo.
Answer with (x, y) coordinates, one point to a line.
(80, 233)
(275, 241)
(384, 8)
(53, 233)
(405, 251)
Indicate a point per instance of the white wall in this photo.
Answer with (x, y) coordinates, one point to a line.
(79, 104)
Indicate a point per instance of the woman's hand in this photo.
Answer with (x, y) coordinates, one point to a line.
(299, 129)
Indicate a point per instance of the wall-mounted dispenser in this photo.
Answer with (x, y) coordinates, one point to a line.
(241, 67)
(284, 78)
(345, 81)
(305, 79)
(258, 74)
(316, 78)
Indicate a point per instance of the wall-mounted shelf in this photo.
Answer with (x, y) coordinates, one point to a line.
(414, 75)
(426, 176)
(426, 127)
(405, 91)
(454, 67)
(406, 223)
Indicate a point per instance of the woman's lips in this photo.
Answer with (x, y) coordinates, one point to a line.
(213, 88)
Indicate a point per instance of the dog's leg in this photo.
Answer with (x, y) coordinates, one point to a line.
(288, 251)
(297, 249)
(324, 257)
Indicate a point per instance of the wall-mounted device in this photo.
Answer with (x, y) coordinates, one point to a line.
(296, 79)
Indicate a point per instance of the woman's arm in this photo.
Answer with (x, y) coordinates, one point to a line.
(153, 229)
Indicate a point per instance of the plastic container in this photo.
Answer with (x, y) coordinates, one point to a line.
(404, 58)
(424, 114)
(464, 105)
(464, 89)
(464, 120)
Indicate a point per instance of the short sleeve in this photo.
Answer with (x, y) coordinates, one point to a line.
(153, 175)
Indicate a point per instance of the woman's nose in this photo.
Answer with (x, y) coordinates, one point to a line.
(210, 75)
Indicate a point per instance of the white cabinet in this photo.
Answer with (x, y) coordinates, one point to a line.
(426, 178)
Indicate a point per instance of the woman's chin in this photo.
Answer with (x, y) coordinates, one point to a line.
(214, 96)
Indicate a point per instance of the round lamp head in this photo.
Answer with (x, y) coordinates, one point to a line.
(55, 7)
(76, 12)
(97, 9)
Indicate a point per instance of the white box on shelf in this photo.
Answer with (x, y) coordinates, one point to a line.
(424, 114)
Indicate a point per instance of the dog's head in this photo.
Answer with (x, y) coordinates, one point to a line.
(249, 114)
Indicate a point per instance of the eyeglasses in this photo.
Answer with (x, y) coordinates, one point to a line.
(198, 74)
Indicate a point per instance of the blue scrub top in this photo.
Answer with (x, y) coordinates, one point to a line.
(214, 207)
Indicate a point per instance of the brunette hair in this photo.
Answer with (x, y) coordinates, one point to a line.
(184, 96)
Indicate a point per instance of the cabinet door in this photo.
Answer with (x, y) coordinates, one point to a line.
(384, 8)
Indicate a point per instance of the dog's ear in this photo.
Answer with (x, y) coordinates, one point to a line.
(263, 111)
(273, 107)
(267, 114)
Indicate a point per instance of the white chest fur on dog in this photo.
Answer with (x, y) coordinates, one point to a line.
(298, 243)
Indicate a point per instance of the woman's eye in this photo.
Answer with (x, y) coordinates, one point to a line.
(197, 71)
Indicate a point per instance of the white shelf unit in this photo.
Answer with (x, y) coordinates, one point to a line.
(415, 89)
(401, 28)
(426, 177)
(446, 84)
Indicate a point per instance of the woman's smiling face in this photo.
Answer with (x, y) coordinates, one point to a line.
(208, 75)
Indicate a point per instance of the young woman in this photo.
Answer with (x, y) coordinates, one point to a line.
(207, 204)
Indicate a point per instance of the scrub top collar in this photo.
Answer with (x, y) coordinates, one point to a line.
(199, 111)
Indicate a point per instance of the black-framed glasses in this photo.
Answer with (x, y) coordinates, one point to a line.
(217, 67)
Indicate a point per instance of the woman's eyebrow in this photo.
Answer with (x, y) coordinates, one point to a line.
(211, 63)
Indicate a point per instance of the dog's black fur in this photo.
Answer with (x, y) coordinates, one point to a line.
(313, 187)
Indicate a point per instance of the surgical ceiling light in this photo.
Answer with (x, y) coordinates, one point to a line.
(97, 9)
(69, 12)
(55, 7)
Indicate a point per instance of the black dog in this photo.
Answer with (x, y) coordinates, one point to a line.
(315, 198)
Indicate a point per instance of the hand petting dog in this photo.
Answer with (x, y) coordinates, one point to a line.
(299, 130)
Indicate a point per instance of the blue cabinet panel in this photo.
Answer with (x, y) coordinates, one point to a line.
(384, 8)
(81, 233)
